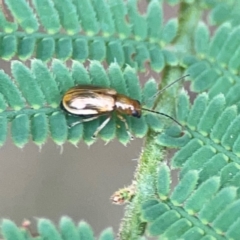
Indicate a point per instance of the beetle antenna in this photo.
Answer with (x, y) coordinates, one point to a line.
(169, 85)
(148, 110)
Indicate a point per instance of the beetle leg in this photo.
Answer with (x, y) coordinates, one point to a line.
(126, 125)
(101, 127)
(83, 120)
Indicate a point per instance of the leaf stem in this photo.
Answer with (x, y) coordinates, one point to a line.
(152, 154)
(132, 226)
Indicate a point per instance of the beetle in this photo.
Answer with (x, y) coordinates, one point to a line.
(91, 102)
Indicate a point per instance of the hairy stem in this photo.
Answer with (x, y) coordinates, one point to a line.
(132, 227)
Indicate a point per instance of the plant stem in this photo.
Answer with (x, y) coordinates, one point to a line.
(132, 226)
(152, 154)
(189, 15)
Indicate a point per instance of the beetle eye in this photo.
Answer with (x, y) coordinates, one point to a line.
(136, 113)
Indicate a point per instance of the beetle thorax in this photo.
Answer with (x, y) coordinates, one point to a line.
(128, 106)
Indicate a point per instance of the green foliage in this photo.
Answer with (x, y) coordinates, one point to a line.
(107, 43)
(46, 230)
(216, 64)
(194, 209)
(209, 169)
(213, 131)
(95, 30)
(34, 97)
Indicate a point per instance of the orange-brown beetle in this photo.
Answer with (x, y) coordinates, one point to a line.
(93, 101)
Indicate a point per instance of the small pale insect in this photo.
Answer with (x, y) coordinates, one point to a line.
(91, 102)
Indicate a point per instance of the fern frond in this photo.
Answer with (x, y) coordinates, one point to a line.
(97, 31)
(224, 12)
(47, 230)
(193, 209)
(216, 65)
(219, 11)
(32, 102)
(211, 140)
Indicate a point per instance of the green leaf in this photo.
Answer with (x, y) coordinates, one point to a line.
(213, 167)
(231, 96)
(97, 50)
(172, 140)
(162, 223)
(3, 105)
(227, 217)
(27, 84)
(44, 78)
(26, 47)
(202, 40)
(211, 114)
(177, 229)
(62, 76)
(20, 130)
(64, 48)
(222, 123)
(139, 24)
(198, 158)
(58, 128)
(222, 85)
(23, 14)
(10, 92)
(197, 110)
(222, 199)
(75, 134)
(127, 38)
(186, 152)
(80, 49)
(47, 230)
(219, 37)
(164, 182)
(39, 128)
(85, 231)
(8, 47)
(10, 231)
(42, 89)
(142, 56)
(107, 235)
(45, 8)
(68, 229)
(115, 52)
(104, 16)
(119, 11)
(129, 51)
(156, 58)
(88, 17)
(184, 188)
(154, 20)
(45, 49)
(183, 106)
(205, 80)
(151, 213)
(206, 190)
(231, 133)
(170, 58)
(169, 31)
(233, 231)
(193, 233)
(228, 172)
(229, 47)
(68, 21)
(80, 74)
(3, 130)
